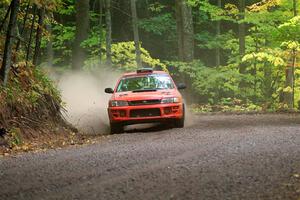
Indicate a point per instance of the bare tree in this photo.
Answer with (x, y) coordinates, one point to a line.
(136, 33)
(7, 62)
(185, 31)
(23, 26)
(290, 72)
(81, 34)
(295, 4)
(242, 43)
(100, 25)
(218, 32)
(50, 52)
(38, 38)
(28, 51)
(108, 32)
(242, 34)
(185, 38)
(6, 16)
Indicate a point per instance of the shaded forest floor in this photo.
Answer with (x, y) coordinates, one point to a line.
(45, 139)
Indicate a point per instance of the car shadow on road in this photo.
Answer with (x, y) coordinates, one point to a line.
(146, 128)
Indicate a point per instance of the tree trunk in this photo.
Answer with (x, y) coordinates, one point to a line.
(108, 32)
(101, 25)
(136, 33)
(38, 38)
(178, 13)
(23, 27)
(242, 47)
(185, 31)
(185, 37)
(254, 71)
(267, 82)
(218, 32)
(50, 52)
(7, 62)
(290, 72)
(242, 35)
(289, 82)
(295, 7)
(31, 34)
(6, 16)
(81, 34)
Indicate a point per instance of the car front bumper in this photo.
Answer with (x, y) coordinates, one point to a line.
(147, 113)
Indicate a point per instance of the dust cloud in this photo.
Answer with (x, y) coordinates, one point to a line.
(190, 117)
(86, 102)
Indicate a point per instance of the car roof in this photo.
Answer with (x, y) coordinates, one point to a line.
(143, 73)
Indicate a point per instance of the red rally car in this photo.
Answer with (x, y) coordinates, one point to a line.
(145, 96)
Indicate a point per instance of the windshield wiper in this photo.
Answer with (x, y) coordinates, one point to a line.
(145, 90)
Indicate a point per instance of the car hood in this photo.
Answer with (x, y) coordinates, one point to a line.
(134, 96)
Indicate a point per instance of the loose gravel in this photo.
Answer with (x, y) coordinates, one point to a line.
(215, 157)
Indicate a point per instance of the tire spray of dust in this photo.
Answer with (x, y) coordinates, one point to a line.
(86, 102)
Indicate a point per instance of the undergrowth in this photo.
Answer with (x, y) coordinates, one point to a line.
(30, 102)
(233, 105)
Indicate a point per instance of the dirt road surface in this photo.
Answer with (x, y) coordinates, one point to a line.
(218, 157)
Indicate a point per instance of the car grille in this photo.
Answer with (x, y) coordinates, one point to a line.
(153, 112)
(144, 102)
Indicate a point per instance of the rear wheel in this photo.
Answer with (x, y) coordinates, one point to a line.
(179, 123)
(116, 128)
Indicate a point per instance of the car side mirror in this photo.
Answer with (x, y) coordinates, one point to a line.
(181, 86)
(109, 90)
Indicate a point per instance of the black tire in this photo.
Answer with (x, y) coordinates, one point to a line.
(116, 128)
(179, 123)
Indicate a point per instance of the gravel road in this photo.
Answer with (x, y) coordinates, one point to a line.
(217, 157)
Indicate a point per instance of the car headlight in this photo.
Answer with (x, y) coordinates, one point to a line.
(170, 100)
(118, 103)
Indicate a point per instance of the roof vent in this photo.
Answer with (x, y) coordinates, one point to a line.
(144, 70)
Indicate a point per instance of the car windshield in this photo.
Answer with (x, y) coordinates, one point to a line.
(145, 83)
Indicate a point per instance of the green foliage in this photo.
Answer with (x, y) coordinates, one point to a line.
(212, 84)
(289, 34)
(212, 11)
(31, 92)
(14, 137)
(209, 11)
(62, 43)
(263, 57)
(227, 105)
(272, 39)
(208, 41)
(95, 42)
(156, 7)
(123, 57)
(44, 85)
(67, 7)
(159, 25)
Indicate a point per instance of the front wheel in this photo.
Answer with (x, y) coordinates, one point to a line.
(179, 123)
(116, 128)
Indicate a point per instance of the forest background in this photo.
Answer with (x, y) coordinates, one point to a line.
(233, 55)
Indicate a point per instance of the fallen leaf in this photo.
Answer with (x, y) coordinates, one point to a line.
(296, 175)
(25, 148)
